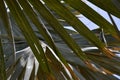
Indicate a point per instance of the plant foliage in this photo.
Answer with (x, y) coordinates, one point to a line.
(35, 45)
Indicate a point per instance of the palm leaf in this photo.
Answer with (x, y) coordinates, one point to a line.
(7, 27)
(111, 8)
(47, 50)
(2, 62)
(93, 16)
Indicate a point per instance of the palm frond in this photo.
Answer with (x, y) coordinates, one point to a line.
(2, 62)
(34, 32)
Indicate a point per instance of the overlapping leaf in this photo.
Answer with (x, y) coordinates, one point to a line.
(64, 52)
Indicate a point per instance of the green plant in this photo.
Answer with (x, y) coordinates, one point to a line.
(36, 46)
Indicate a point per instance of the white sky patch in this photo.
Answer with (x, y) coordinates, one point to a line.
(103, 14)
(88, 23)
(117, 76)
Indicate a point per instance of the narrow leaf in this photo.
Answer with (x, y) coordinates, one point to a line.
(58, 28)
(42, 29)
(77, 25)
(111, 8)
(26, 29)
(94, 16)
(2, 63)
(7, 24)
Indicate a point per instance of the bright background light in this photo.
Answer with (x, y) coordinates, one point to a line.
(90, 24)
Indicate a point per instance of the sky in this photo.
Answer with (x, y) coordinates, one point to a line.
(103, 13)
(90, 24)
